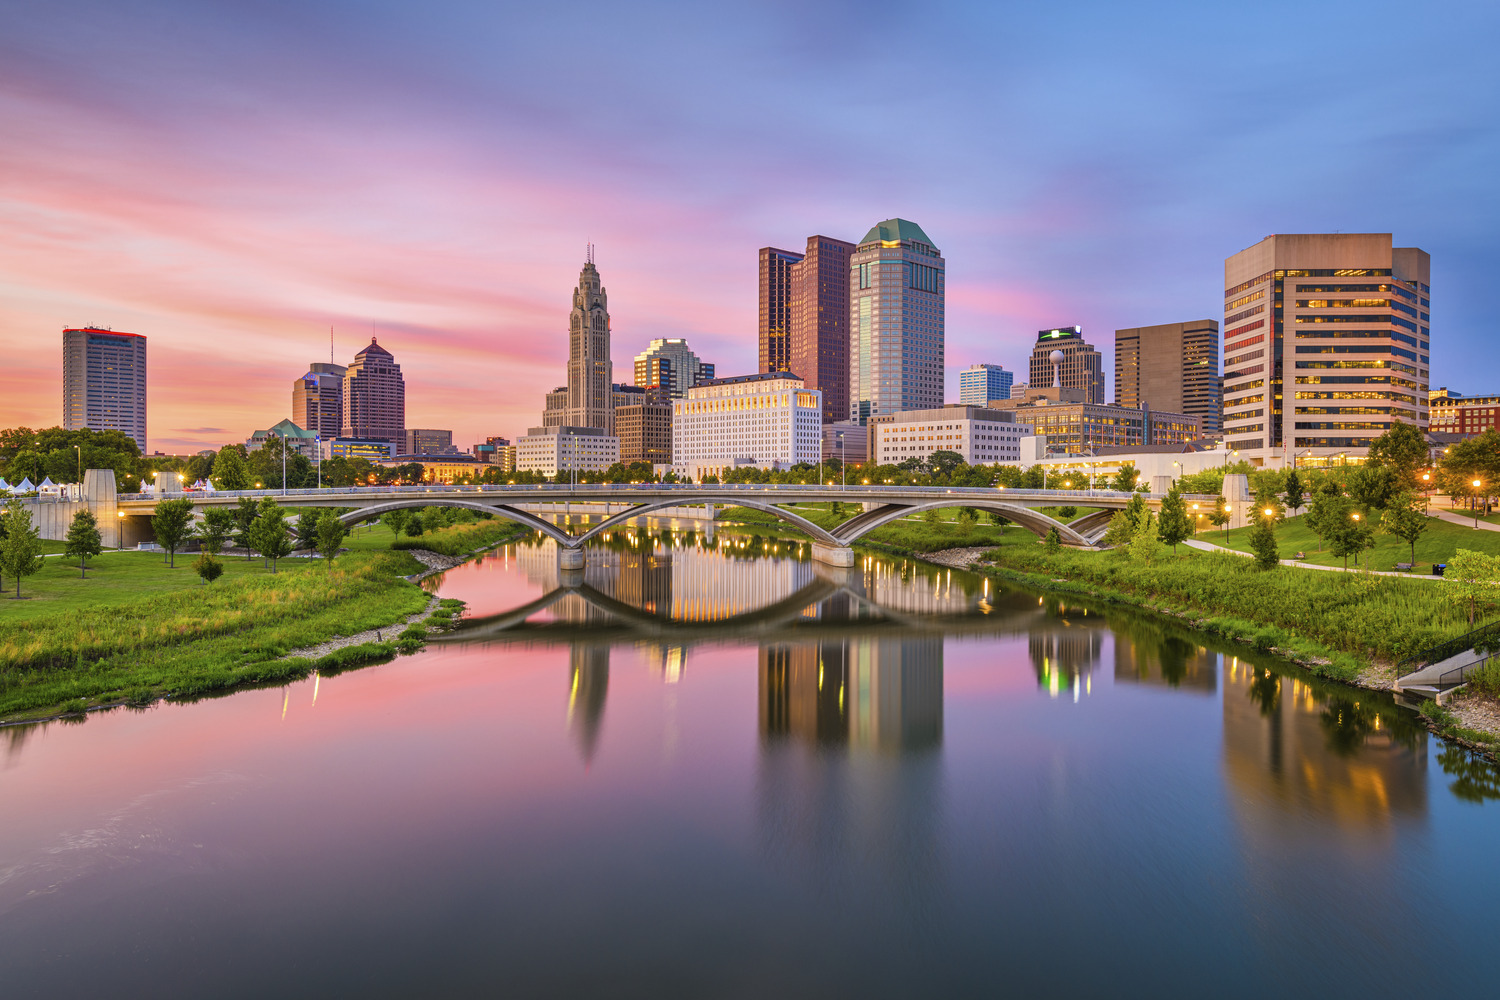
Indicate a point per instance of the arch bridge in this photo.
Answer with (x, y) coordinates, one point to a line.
(528, 505)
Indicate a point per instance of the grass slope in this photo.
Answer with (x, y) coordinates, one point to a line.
(1437, 544)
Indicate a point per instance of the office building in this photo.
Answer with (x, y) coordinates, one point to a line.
(318, 400)
(1081, 367)
(550, 450)
(669, 364)
(895, 322)
(645, 431)
(496, 451)
(767, 420)
(298, 440)
(366, 448)
(1072, 426)
(104, 382)
(1173, 366)
(775, 325)
(422, 441)
(586, 400)
(983, 436)
(978, 384)
(820, 322)
(1325, 344)
(846, 441)
(443, 468)
(375, 397)
(1465, 416)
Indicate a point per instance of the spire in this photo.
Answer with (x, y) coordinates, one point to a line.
(589, 254)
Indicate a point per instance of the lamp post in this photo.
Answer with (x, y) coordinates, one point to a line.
(1426, 491)
(79, 448)
(1477, 484)
(842, 476)
(318, 444)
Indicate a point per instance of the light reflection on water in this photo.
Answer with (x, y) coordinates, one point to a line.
(710, 766)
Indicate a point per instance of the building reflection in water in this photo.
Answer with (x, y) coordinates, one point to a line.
(1065, 650)
(1297, 752)
(588, 687)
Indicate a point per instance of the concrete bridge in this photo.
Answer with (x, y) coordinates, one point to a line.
(124, 517)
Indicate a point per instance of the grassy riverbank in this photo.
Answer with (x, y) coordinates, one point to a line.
(908, 536)
(1437, 544)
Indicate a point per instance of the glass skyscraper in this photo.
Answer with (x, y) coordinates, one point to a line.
(896, 284)
(978, 384)
(104, 382)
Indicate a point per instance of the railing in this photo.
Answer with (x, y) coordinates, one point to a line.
(1452, 647)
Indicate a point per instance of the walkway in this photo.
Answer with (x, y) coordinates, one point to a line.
(1209, 547)
(1455, 517)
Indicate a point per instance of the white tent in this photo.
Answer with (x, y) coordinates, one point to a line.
(4, 486)
(46, 482)
(24, 486)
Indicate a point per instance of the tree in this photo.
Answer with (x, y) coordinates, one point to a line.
(83, 540)
(208, 567)
(414, 526)
(395, 520)
(1293, 490)
(1220, 515)
(1146, 545)
(1371, 486)
(1329, 507)
(1403, 518)
(1402, 449)
(1263, 540)
(331, 532)
(230, 471)
(21, 553)
(1123, 526)
(1348, 530)
(173, 525)
(307, 530)
(1125, 479)
(1053, 541)
(967, 518)
(1175, 526)
(944, 462)
(269, 534)
(215, 529)
(246, 511)
(1472, 577)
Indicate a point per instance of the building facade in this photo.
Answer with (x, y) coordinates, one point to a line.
(983, 436)
(775, 321)
(767, 420)
(1325, 344)
(1073, 427)
(298, 440)
(1465, 416)
(318, 400)
(1081, 367)
(104, 382)
(443, 468)
(1173, 366)
(820, 322)
(586, 400)
(347, 447)
(645, 431)
(550, 450)
(427, 441)
(978, 384)
(896, 342)
(846, 441)
(375, 397)
(669, 364)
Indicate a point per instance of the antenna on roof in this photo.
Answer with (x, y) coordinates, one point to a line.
(590, 253)
(330, 343)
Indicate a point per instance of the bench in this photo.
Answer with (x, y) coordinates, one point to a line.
(1403, 567)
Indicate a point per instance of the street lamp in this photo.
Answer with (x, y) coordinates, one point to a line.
(1477, 484)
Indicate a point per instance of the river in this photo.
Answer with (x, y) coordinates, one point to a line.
(710, 767)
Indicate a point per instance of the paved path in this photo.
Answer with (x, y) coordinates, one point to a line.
(1455, 517)
(1207, 547)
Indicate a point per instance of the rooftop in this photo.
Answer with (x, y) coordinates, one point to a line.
(896, 231)
(736, 379)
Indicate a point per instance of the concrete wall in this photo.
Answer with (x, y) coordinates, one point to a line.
(53, 518)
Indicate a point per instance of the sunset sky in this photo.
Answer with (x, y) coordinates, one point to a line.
(233, 178)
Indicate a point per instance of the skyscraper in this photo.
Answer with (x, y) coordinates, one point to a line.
(318, 400)
(896, 282)
(1082, 367)
(374, 397)
(1174, 366)
(104, 382)
(670, 365)
(1325, 343)
(776, 308)
(589, 402)
(819, 352)
(978, 384)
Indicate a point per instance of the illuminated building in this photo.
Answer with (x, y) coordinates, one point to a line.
(896, 295)
(981, 436)
(1081, 366)
(318, 400)
(104, 382)
(1462, 415)
(375, 397)
(550, 450)
(978, 384)
(585, 401)
(671, 366)
(1172, 367)
(767, 420)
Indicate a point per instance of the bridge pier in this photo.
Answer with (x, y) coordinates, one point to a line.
(570, 558)
(832, 555)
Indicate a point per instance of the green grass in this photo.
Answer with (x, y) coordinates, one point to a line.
(461, 539)
(908, 535)
(1437, 544)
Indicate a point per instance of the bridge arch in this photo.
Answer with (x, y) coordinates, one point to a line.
(499, 510)
(1033, 520)
(818, 534)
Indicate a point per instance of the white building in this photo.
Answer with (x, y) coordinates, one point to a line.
(982, 436)
(767, 420)
(1151, 461)
(549, 450)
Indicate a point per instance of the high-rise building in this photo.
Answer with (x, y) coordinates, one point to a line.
(645, 431)
(1325, 344)
(819, 352)
(1173, 366)
(896, 290)
(588, 402)
(767, 420)
(104, 382)
(1081, 366)
(776, 308)
(670, 365)
(318, 400)
(428, 441)
(978, 384)
(375, 397)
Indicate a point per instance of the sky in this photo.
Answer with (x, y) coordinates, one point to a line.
(235, 179)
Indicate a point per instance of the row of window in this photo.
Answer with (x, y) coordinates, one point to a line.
(1358, 380)
(1248, 342)
(1244, 329)
(1258, 397)
(1243, 314)
(1343, 319)
(1343, 303)
(1242, 358)
(1243, 300)
(1340, 426)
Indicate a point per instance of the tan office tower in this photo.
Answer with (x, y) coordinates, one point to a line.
(819, 353)
(1173, 367)
(318, 400)
(776, 308)
(590, 370)
(1081, 367)
(1325, 344)
(375, 397)
(104, 382)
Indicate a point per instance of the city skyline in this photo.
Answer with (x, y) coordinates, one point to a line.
(267, 204)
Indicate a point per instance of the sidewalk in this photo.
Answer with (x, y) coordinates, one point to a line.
(1209, 547)
(1455, 517)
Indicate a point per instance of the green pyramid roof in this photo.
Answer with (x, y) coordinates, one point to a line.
(897, 229)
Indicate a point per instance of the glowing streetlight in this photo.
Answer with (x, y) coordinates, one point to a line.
(1477, 484)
